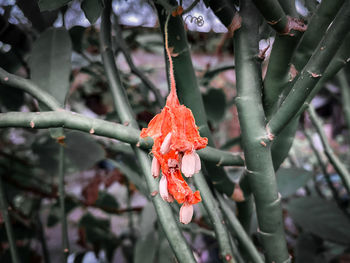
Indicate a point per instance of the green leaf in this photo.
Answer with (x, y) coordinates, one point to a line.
(92, 9)
(289, 180)
(82, 150)
(145, 250)
(106, 200)
(321, 218)
(77, 34)
(49, 5)
(215, 104)
(50, 62)
(308, 249)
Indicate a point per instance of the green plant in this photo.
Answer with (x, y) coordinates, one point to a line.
(304, 57)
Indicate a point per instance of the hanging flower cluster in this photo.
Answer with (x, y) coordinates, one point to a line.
(176, 139)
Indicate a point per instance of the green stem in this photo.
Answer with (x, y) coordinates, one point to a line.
(273, 13)
(316, 28)
(259, 166)
(312, 72)
(339, 61)
(75, 121)
(216, 218)
(239, 232)
(189, 93)
(9, 231)
(333, 159)
(41, 237)
(179, 245)
(323, 169)
(13, 81)
(61, 192)
(345, 96)
(277, 74)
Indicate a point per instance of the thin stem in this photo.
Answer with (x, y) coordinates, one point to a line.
(128, 206)
(9, 231)
(312, 72)
(75, 121)
(216, 217)
(126, 52)
(345, 96)
(255, 140)
(323, 169)
(64, 230)
(239, 232)
(333, 159)
(42, 239)
(122, 106)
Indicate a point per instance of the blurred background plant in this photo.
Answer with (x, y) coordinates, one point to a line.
(70, 195)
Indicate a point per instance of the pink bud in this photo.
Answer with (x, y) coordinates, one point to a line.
(163, 190)
(186, 213)
(188, 164)
(198, 165)
(165, 147)
(155, 169)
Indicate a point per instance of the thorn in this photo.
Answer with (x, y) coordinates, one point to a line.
(138, 145)
(66, 250)
(154, 193)
(235, 24)
(92, 131)
(126, 123)
(273, 22)
(263, 143)
(228, 257)
(60, 140)
(32, 124)
(292, 73)
(314, 75)
(6, 78)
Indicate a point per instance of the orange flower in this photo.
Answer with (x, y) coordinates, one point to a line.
(176, 139)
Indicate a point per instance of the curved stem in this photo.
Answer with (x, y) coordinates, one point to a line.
(13, 81)
(239, 232)
(333, 159)
(255, 140)
(125, 50)
(75, 121)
